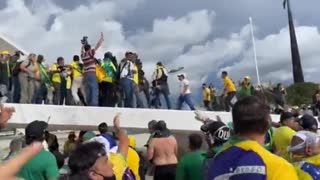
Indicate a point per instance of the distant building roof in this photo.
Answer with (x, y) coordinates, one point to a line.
(6, 44)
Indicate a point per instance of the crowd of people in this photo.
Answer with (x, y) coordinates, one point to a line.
(91, 81)
(86, 81)
(252, 146)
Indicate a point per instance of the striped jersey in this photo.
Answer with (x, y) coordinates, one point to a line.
(89, 62)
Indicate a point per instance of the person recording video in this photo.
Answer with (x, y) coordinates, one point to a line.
(58, 71)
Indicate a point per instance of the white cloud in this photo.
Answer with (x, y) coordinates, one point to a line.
(177, 41)
(274, 57)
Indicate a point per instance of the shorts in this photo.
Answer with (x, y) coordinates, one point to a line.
(167, 172)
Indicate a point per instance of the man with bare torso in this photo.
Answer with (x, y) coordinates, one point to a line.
(162, 151)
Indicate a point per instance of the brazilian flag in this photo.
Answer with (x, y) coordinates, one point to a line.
(44, 75)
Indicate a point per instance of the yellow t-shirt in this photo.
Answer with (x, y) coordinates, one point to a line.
(135, 75)
(56, 76)
(229, 85)
(119, 165)
(76, 70)
(69, 80)
(133, 162)
(282, 139)
(206, 94)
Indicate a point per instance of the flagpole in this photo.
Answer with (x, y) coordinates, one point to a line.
(254, 51)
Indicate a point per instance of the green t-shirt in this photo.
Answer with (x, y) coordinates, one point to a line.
(41, 167)
(190, 166)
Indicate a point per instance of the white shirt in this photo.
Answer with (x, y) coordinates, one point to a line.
(127, 70)
(185, 83)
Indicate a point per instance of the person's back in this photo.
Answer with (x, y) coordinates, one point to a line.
(165, 150)
(243, 156)
(190, 166)
(162, 151)
(42, 167)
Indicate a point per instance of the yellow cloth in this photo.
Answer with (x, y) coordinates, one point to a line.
(76, 70)
(135, 75)
(276, 167)
(206, 94)
(132, 141)
(100, 73)
(119, 165)
(282, 139)
(69, 80)
(315, 160)
(229, 85)
(55, 76)
(133, 160)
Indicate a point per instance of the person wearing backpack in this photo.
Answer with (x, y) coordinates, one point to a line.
(160, 82)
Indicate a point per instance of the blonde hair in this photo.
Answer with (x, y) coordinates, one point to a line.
(31, 56)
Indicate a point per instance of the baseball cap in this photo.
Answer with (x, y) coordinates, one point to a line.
(219, 130)
(5, 52)
(308, 138)
(36, 129)
(285, 116)
(308, 122)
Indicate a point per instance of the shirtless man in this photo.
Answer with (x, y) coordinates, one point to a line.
(162, 152)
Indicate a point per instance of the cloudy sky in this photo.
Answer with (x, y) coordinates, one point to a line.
(203, 36)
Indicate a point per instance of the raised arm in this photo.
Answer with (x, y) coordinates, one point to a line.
(123, 138)
(99, 42)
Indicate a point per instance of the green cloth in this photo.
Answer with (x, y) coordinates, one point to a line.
(44, 75)
(41, 167)
(190, 166)
(88, 135)
(109, 68)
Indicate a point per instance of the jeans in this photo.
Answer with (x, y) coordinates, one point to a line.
(227, 101)
(187, 99)
(41, 94)
(126, 86)
(91, 89)
(162, 89)
(56, 93)
(28, 88)
(136, 90)
(16, 89)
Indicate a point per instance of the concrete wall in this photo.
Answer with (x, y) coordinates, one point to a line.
(75, 117)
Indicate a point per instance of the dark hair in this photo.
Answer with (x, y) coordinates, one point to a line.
(108, 55)
(87, 47)
(40, 58)
(152, 125)
(195, 141)
(224, 73)
(161, 126)
(103, 128)
(59, 59)
(250, 115)
(76, 58)
(159, 63)
(84, 157)
(204, 84)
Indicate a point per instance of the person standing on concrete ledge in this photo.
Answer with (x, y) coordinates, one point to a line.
(185, 92)
(162, 151)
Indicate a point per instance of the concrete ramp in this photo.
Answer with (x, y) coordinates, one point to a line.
(134, 120)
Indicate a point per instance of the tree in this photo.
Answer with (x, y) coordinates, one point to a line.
(301, 93)
(295, 55)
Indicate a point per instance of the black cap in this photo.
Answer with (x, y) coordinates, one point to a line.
(36, 129)
(286, 116)
(308, 122)
(214, 129)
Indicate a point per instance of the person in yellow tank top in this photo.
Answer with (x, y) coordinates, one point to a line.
(305, 150)
(243, 156)
(89, 160)
(229, 91)
(133, 158)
